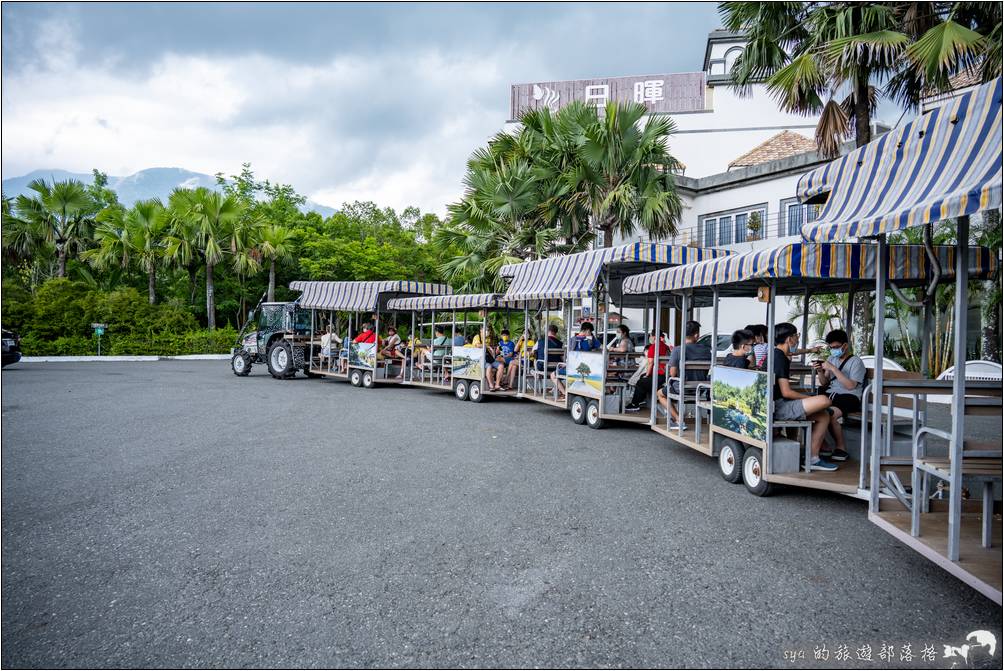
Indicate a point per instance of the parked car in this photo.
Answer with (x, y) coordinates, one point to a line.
(11, 348)
(724, 344)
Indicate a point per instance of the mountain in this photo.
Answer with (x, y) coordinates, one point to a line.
(149, 183)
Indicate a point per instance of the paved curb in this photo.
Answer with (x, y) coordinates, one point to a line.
(118, 359)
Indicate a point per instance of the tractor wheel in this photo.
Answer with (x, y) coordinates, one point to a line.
(280, 360)
(356, 377)
(753, 473)
(730, 460)
(593, 419)
(368, 380)
(577, 409)
(475, 395)
(461, 390)
(241, 363)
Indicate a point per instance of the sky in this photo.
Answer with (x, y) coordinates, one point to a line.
(381, 102)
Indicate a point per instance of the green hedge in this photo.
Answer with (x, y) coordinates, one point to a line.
(56, 321)
(156, 344)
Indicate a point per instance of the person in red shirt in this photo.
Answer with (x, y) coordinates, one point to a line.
(367, 335)
(643, 390)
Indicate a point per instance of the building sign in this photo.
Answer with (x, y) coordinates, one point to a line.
(681, 92)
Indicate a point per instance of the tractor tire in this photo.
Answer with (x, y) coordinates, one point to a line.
(730, 460)
(753, 473)
(280, 360)
(577, 409)
(240, 363)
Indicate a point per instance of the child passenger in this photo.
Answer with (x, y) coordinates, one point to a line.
(741, 355)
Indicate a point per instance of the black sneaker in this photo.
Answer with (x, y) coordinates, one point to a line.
(839, 455)
(632, 408)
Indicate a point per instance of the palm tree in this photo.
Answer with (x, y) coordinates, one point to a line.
(181, 247)
(627, 173)
(134, 236)
(275, 243)
(60, 215)
(214, 215)
(202, 228)
(828, 58)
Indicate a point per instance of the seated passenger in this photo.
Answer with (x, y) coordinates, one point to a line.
(791, 405)
(642, 379)
(695, 351)
(505, 356)
(622, 342)
(458, 339)
(840, 378)
(584, 341)
(760, 348)
(367, 335)
(437, 353)
(742, 350)
(389, 348)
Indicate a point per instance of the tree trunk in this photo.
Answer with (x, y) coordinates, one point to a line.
(210, 298)
(863, 327)
(61, 267)
(990, 300)
(271, 281)
(151, 285)
(608, 235)
(862, 116)
(990, 315)
(192, 284)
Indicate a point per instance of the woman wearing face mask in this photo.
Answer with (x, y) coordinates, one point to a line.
(841, 378)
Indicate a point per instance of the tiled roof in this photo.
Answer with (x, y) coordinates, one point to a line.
(783, 145)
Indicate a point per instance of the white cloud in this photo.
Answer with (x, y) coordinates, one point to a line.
(395, 129)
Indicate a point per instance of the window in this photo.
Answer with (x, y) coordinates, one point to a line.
(730, 227)
(742, 226)
(725, 231)
(794, 215)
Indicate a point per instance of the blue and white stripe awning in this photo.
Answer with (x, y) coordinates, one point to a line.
(452, 302)
(944, 164)
(576, 275)
(358, 296)
(809, 260)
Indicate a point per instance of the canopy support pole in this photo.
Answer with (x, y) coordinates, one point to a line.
(653, 417)
(681, 402)
(958, 388)
(771, 315)
(805, 320)
(881, 272)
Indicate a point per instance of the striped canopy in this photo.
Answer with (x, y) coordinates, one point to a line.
(357, 296)
(576, 275)
(803, 261)
(944, 164)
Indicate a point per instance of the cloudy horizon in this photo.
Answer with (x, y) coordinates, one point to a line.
(345, 102)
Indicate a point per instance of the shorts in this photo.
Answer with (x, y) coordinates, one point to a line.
(847, 403)
(493, 364)
(560, 370)
(789, 410)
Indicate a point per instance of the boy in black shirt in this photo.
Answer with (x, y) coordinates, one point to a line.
(741, 355)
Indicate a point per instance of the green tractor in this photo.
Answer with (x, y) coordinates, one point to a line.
(277, 335)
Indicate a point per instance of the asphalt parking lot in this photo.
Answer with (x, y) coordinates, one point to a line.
(170, 514)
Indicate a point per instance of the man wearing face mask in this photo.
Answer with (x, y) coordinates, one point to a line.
(841, 377)
(789, 404)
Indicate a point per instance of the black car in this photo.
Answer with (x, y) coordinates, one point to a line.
(11, 349)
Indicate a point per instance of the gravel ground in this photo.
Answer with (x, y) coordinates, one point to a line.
(170, 514)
